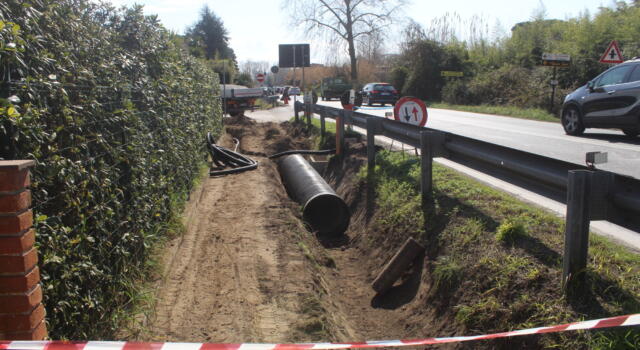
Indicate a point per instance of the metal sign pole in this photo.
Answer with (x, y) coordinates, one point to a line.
(553, 88)
(294, 73)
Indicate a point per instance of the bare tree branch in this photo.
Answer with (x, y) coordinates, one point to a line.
(348, 21)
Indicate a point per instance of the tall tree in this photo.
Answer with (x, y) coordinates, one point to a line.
(346, 21)
(209, 38)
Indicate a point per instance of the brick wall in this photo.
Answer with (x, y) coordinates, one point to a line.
(21, 310)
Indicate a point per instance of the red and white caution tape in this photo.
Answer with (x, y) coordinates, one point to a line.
(619, 321)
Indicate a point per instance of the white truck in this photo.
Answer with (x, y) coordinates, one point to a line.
(238, 98)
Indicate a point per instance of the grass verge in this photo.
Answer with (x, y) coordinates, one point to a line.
(497, 262)
(507, 111)
(264, 104)
(329, 140)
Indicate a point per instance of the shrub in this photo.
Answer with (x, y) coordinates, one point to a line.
(114, 113)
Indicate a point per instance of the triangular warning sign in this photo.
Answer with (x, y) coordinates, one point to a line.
(612, 54)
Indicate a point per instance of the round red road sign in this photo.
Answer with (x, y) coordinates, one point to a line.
(260, 77)
(410, 110)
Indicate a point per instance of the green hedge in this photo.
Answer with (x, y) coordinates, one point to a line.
(115, 114)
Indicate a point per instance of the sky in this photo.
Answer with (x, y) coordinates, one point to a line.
(256, 27)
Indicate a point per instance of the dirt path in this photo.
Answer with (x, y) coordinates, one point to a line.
(235, 275)
(247, 270)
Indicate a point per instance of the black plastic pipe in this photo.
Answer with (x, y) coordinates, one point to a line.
(322, 208)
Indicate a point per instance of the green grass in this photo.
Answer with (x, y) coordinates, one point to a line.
(506, 286)
(263, 104)
(510, 231)
(507, 111)
(328, 141)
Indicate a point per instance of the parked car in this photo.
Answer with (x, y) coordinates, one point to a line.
(294, 91)
(611, 100)
(381, 93)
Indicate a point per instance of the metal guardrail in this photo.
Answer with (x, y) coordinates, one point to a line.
(600, 195)
(624, 195)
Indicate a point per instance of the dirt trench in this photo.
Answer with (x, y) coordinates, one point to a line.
(248, 270)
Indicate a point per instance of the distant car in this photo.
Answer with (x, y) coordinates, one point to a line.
(333, 88)
(611, 100)
(294, 91)
(381, 93)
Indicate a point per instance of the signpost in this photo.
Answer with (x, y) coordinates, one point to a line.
(350, 99)
(292, 56)
(612, 54)
(410, 110)
(555, 60)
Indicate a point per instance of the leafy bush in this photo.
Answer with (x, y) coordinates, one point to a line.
(506, 86)
(114, 113)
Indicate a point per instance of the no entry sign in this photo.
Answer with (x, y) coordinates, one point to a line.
(410, 110)
(260, 77)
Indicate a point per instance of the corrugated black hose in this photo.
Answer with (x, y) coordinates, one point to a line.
(223, 157)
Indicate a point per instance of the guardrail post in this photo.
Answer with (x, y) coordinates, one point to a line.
(372, 129)
(307, 113)
(587, 199)
(340, 134)
(576, 238)
(21, 310)
(323, 129)
(348, 116)
(426, 165)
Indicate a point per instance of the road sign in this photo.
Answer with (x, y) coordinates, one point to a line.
(612, 54)
(294, 55)
(260, 77)
(350, 99)
(410, 110)
(556, 59)
(450, 73)
(275, 69)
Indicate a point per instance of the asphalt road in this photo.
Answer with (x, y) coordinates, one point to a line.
(542, 138)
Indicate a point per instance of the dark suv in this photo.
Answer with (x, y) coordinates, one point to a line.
(611, 100)
(379, 93)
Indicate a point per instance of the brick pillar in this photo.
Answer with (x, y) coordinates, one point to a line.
(21, 309)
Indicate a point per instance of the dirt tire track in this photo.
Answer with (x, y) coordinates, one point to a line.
(235, 275)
